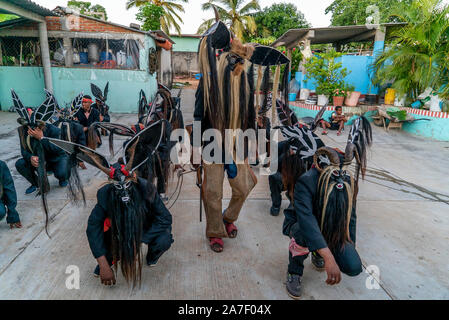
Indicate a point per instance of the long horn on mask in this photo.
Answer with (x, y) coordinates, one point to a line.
(84, 154)
(359, 139)
(325, 156)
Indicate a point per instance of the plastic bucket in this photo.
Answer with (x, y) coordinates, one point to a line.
(103, 56)
(304, 94)
(416, 104)
(353, 99)
(389, 96)
(322, 100)
(292, 96)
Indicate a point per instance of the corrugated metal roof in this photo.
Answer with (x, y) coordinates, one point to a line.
(33, 7)
(333, 34)
(9, 23)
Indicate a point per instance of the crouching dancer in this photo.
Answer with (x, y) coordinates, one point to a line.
(8, 198)
(128, 212)
(323, 220)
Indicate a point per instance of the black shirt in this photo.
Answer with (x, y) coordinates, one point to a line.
(158, 219)
(94, 116)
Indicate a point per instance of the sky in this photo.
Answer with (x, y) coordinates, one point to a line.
(193, 17)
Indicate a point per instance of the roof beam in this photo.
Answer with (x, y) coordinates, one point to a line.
(14, 9)
(9, 32)
(364, 36)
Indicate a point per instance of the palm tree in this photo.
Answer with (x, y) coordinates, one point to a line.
(417, 56)
(235, 13)
(170, 18)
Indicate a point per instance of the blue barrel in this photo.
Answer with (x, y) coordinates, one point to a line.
(84, 58)
(292, 97)
(103, 56)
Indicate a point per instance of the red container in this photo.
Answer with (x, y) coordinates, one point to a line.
(338, 101)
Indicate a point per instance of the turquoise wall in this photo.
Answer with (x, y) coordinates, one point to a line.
(437, 129)
(360, 71)
(124, 85)
(359, 74)
(185, 44)
(301, 113)
(28, 82)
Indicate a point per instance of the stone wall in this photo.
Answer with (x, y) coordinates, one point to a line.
(185, 63)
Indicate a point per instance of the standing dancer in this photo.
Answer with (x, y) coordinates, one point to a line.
(225, 100)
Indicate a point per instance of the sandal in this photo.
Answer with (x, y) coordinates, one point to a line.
(324, 133)
(216, 244)
(17, 225)
(338, 133)
(231, 229)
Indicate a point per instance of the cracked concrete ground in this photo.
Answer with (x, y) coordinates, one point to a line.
(403, 229)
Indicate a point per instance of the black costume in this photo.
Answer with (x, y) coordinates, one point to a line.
(324, 210)
(295, 154)
(8, 195)
(101, 98)
(50, 157)
(301, 223)
(55, 158)
(156, 225)
(103, 109)
(93, 117)
(129, 211)
(275, 180)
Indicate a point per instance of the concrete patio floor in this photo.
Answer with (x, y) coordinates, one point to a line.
(403, 229)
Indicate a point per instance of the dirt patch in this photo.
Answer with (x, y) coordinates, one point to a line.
(185, 82)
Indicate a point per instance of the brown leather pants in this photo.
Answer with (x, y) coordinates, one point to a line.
(241, 186)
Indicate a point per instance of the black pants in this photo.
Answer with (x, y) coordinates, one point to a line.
(156, 247)
(276, 189)
(347, 258)
(59, 168)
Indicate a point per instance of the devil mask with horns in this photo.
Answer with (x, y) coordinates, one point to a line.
(337, 185)
(227, 87)
(125, 199)
(29, 118)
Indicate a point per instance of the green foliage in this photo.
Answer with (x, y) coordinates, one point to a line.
(328, 74)
(265, 41)
(278, 19)
(170, 19)
(417, 56)
(397, 113)
(356, 12)
(86, 8)
(6, 17)
(150, 15)
(237, 14)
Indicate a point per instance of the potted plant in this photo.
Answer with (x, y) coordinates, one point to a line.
(328, 75)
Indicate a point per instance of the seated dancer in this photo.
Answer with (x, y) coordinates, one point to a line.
(87, 116)
(37, 151)
(100, 103)
(225, 100)
(8, 198)
(323, 220)
(128, 211)
(336, 121)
